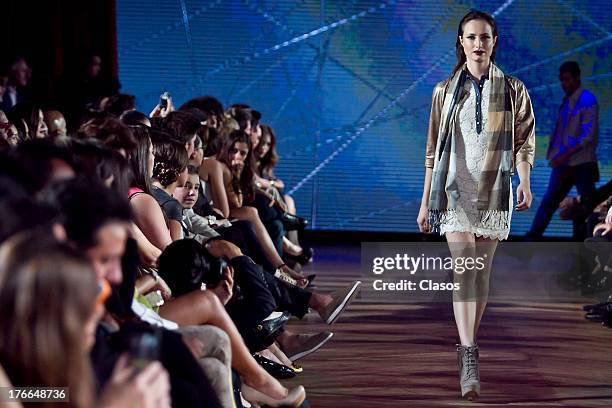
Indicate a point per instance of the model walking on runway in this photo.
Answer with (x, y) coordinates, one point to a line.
(481, 128)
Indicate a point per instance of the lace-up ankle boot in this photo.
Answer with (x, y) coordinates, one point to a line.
(467, 358)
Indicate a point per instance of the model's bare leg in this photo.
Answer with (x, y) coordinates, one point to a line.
(462, 244)
(485, 248)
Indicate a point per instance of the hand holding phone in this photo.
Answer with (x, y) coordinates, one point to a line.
(163, 100)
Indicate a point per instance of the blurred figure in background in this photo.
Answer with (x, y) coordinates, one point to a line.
(19, 76)
(571, 151)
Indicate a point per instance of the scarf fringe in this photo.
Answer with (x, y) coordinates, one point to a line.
(495, 219)
(437, 217)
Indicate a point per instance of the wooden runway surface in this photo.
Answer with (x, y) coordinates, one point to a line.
(403, 355)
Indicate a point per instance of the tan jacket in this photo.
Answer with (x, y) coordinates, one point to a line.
(524, 124)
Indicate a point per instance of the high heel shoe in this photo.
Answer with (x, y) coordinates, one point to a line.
(293, 222)
(295, 397)
(276, 370)
(304, 258)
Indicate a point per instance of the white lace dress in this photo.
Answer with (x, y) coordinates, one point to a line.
(471, 148)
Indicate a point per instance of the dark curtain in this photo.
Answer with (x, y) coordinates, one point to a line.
(57, 37)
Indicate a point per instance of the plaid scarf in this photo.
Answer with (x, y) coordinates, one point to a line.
(494, 183)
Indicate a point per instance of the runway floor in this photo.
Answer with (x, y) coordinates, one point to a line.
(403, 355)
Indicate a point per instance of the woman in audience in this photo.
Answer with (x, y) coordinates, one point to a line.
(135, 118)
(169, 172)
(198, 154)
(180, 126)
(217, 181)
(111, 132)
(209, 106)
(239, 194)
(266, 159)
(30, 119)
(45, 339)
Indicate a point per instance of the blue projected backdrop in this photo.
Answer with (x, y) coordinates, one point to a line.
(347, 85)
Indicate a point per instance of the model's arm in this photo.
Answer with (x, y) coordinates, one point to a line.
(524, 127)
(524, 146)
(523, 191)
(437, 100)
(423, 213)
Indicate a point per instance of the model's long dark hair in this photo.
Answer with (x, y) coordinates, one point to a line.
(473, 15)
(243, 183)
(267, 163)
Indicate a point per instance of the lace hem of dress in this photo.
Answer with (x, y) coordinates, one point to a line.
(479, 232)
(492, 224)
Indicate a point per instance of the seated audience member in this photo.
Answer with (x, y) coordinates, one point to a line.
(34, 268)
(84, 86)
(231, 185)
(197, 156)
(30, 118)
(248, 121)
(56, 125)
(209, 106)
(116, 105)
(169, 172)
(135, 118)
(265, 180)
(18, 79)
(181, 127)
(9, 133)
(43, 162)
(111, 132)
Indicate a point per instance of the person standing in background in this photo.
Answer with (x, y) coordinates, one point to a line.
(571, 152)
(18, 78)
